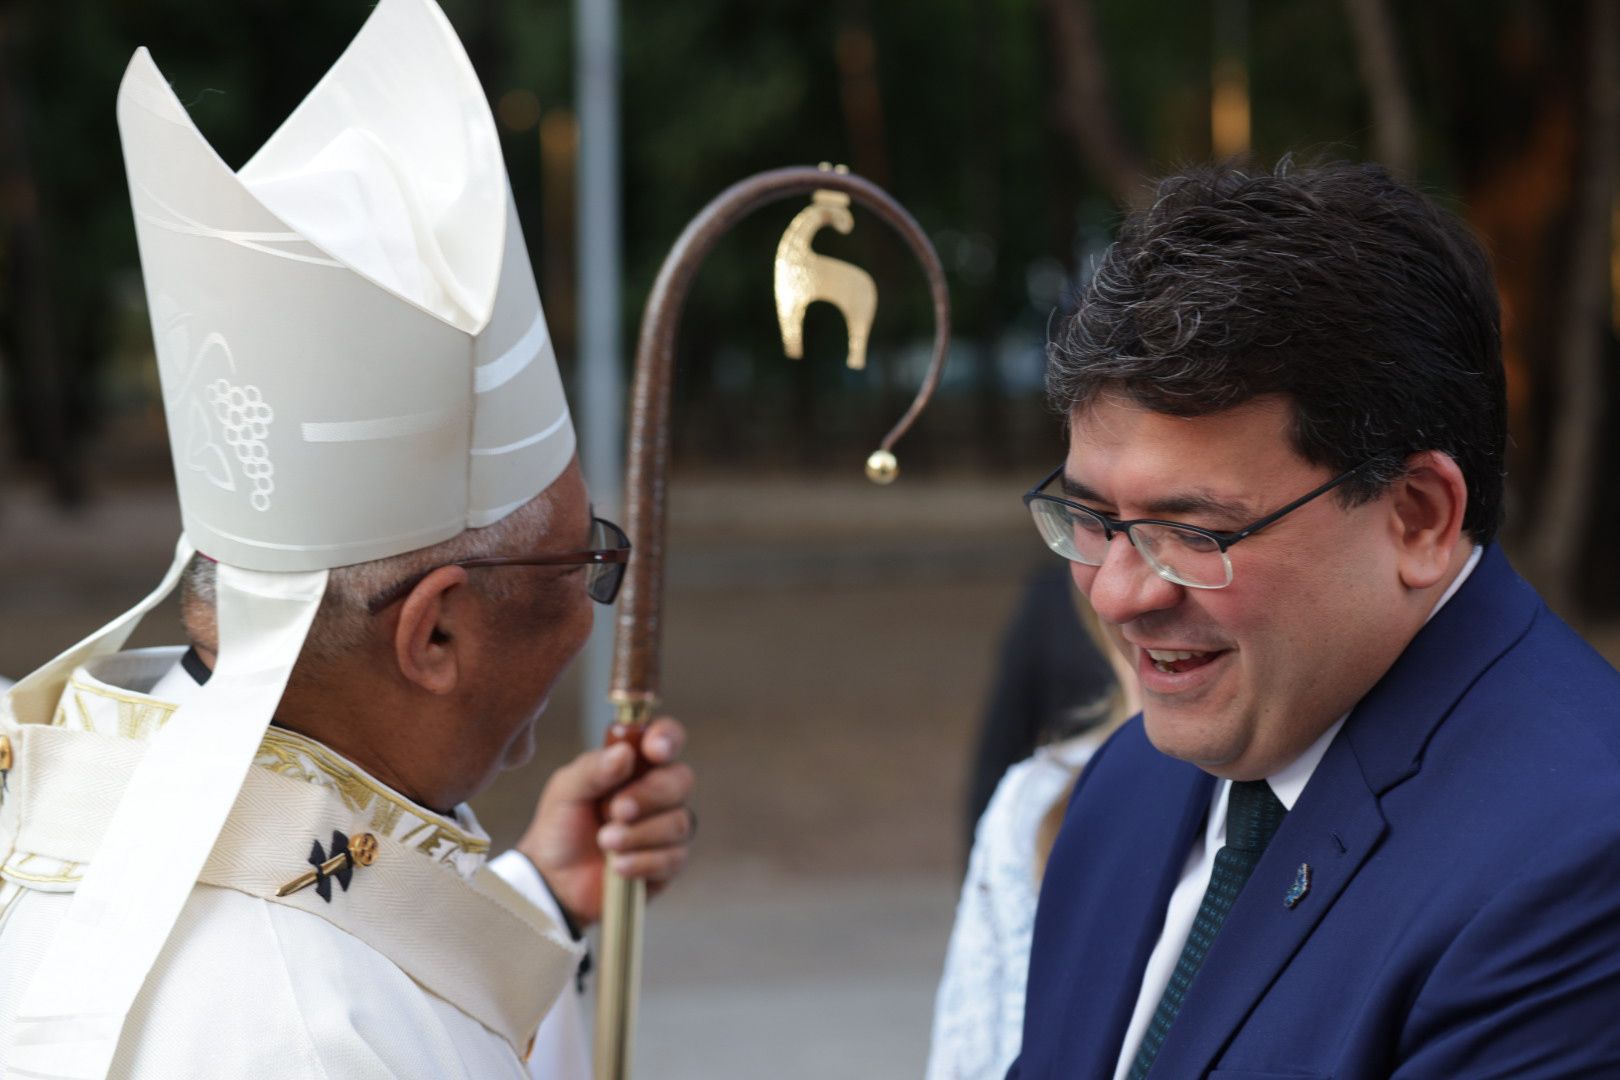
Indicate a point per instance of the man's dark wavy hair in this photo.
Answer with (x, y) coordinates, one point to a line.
(1368, 307)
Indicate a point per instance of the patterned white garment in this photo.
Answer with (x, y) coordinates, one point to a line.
(979, 1010)
(562, 1047)
(273, 990)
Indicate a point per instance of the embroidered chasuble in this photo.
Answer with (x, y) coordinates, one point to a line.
(423, 963)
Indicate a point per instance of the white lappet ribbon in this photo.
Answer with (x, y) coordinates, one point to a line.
(70, 1018)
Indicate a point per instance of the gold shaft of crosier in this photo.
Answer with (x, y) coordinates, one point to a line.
(624, 907)
(618, 988)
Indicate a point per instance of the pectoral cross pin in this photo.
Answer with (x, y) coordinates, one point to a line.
(347, 854)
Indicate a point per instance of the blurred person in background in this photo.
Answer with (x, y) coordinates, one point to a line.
(979, 1008)
(1365, 825)
(254, 856)
(1049, 680)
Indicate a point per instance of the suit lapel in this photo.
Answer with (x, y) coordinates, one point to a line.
(1103, 902)
(1393, 724)
(1337, 823)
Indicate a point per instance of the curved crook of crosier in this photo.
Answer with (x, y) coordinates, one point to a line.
(639, 617)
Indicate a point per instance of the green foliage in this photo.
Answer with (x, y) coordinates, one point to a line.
(960, 116)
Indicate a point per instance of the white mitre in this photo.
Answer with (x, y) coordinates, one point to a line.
(354, 365)
(354, 358)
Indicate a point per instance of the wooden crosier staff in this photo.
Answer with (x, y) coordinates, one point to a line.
(639, 626)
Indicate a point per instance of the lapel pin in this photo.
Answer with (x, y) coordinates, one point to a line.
(346, 855)
(1301, 886)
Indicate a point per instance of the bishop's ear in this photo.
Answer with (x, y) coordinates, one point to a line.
(1428, 504)
(430, 631)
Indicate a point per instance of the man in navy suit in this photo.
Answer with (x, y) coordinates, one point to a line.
(1368, 824)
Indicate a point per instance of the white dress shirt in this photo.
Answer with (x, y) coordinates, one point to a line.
(1287, 783)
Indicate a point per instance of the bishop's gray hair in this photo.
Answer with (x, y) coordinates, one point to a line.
(344, 616)
(1370, 309)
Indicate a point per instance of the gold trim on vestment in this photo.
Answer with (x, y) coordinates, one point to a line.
(101, 689)
(90, 704)
(66, 877)
(68, 873)
(358, 790)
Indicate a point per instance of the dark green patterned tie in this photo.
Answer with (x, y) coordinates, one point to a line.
(1252, 816)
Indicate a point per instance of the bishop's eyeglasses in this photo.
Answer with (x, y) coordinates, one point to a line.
(606, 558)
(1184, 554)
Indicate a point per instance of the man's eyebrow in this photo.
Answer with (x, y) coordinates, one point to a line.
(1074, 489)
(590, 524)
(1183, 502)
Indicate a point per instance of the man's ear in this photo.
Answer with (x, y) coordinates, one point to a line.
(1427, 506)
(432, 624)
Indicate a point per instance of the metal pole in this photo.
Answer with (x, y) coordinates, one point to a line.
(600, 368)
(601, 385)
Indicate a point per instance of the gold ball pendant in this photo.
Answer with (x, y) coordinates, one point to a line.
(881, 467)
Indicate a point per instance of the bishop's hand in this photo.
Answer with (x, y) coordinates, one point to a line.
(594, 809)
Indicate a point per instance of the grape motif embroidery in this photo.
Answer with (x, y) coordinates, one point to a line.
(246, 418)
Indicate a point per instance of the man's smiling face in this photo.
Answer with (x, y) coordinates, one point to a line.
(1305, 627)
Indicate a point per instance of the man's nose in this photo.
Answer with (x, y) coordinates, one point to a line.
(1125, 587)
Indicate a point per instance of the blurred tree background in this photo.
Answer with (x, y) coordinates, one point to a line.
(1014, 130)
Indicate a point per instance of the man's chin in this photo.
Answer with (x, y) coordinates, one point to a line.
(520, 751)
(1187, 739)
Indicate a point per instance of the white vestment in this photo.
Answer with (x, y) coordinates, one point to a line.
(431, 962)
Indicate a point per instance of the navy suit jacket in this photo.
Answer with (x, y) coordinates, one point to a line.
(1463, 916)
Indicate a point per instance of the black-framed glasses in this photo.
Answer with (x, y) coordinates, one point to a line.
(1184, 554)
(607, 557)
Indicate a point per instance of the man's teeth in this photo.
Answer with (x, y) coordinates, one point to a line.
(1163, 658)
